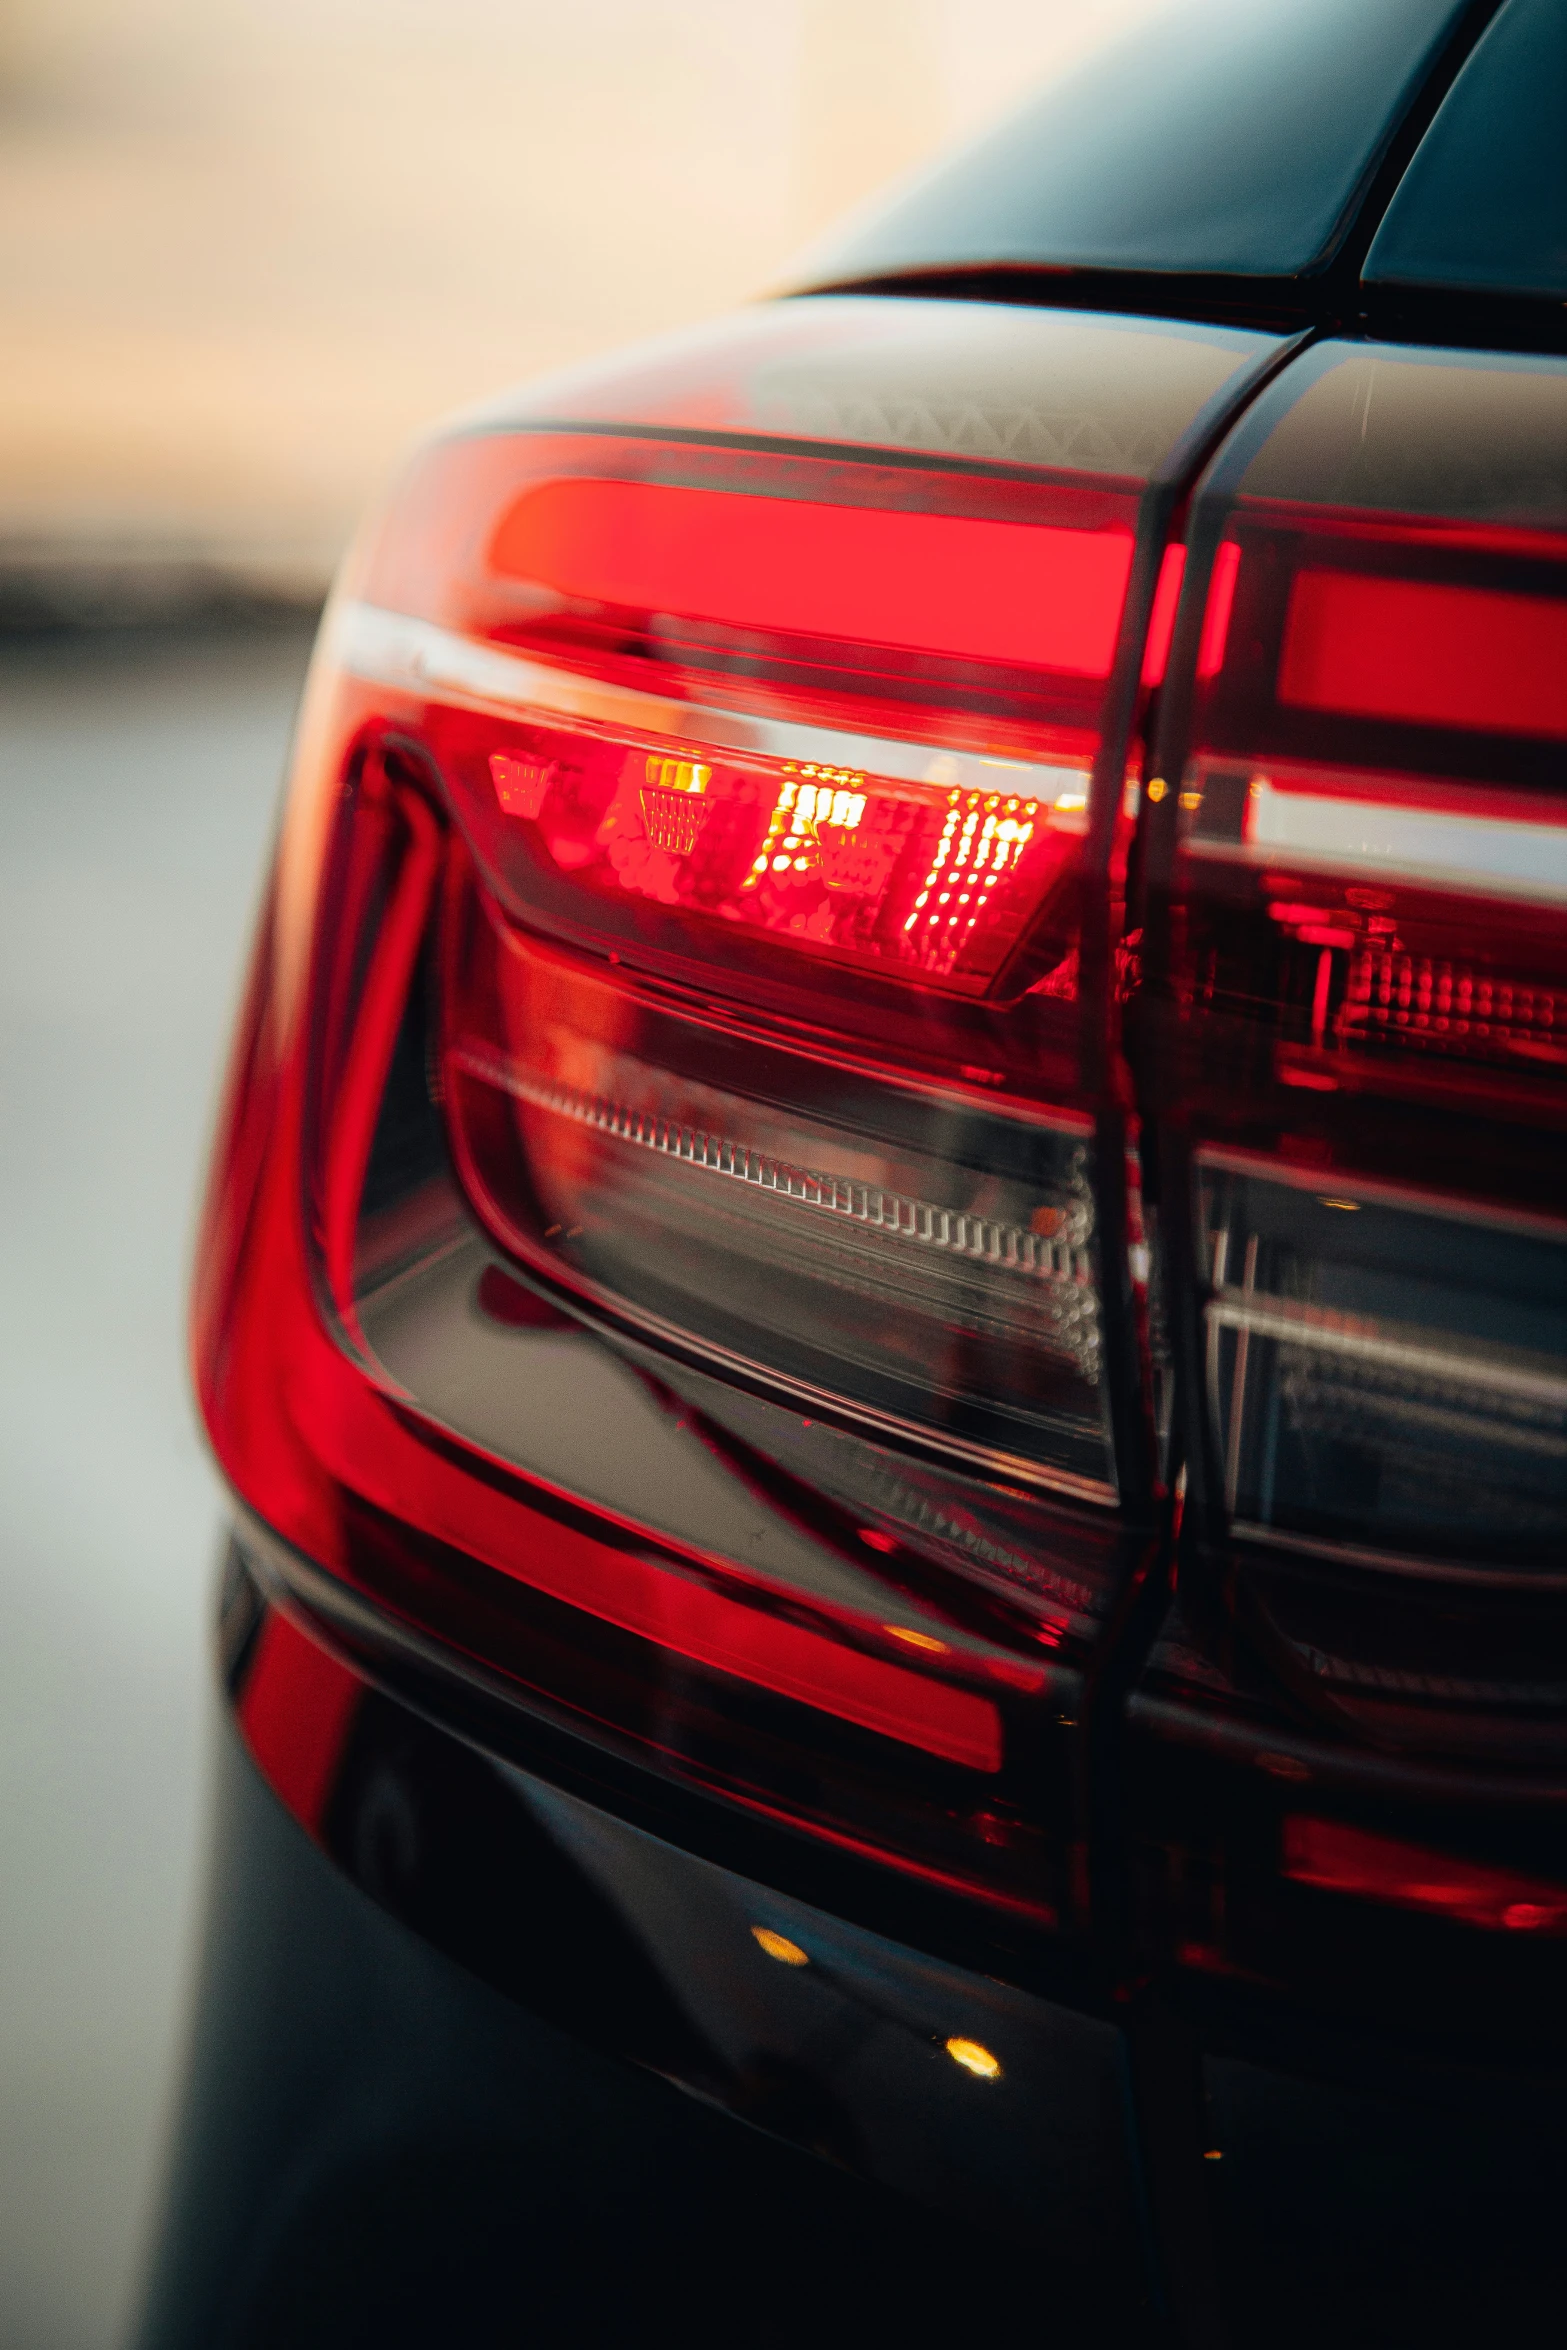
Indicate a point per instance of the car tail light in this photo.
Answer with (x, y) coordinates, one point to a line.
(673, 1247)
(1366, 870)
(1354, 1055)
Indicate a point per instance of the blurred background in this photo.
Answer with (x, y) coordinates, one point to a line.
(246, 248)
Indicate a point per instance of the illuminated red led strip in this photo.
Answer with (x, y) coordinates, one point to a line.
(1216, 613)
(973, 589)
(1161, 617)
(1426, 653)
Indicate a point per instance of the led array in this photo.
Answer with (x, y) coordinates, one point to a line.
(981, 841)
(907, 869)
(682, 775)
(822, 795)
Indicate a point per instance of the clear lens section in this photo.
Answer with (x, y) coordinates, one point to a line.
(925, 1260)
(1383, 1375)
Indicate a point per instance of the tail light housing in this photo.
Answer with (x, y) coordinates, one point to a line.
(674, 1251)
(1364, 871)
(1355, 1056)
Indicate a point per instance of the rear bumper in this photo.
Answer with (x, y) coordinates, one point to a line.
(476, 2049)
(409, 2114)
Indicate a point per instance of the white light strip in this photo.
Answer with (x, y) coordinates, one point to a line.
(415, 657)
(1293, 1324)
(1332, 832)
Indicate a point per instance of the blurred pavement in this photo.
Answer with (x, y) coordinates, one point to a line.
(138, 779)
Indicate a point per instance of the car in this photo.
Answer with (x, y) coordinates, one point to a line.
(884, 1290)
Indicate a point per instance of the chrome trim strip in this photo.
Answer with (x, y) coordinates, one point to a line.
(416, 657)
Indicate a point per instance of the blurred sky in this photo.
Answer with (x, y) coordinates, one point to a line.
(248, 246)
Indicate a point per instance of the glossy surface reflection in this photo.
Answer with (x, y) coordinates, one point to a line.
(1221, 137)
(980, 2100)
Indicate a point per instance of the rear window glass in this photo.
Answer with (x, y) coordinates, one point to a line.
(1232, 137)
(1483, 206)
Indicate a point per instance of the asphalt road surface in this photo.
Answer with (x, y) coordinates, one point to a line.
(139, 773)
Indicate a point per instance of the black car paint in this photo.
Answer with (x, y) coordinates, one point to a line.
(432, 2096)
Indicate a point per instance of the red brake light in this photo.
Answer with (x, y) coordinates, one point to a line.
(855, 708)
(1161, 619)
(935, 878)
(1429, 653)
(969, 587)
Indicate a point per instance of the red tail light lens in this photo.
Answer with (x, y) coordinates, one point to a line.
(670, 1246)
(904, 1249)
(1483, 660)
(960, 586)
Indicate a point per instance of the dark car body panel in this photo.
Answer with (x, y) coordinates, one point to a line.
(1483, 205)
